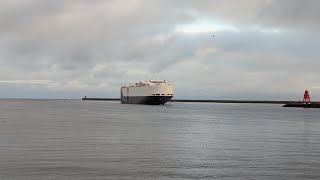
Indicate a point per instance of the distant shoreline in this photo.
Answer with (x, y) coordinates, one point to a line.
(175, 100)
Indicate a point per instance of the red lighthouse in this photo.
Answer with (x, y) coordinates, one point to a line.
(306, 97)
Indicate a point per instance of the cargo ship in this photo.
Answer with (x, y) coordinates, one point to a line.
(152, 92)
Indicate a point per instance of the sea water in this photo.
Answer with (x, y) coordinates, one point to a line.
(74, 139)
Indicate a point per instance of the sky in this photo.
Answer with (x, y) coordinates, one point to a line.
(208, 49)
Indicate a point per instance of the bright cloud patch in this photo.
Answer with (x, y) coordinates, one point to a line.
(204, 27)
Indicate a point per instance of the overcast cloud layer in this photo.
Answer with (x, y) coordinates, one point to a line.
(262, 49)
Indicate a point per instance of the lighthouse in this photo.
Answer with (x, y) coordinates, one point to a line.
(306, 103)
(306, 97)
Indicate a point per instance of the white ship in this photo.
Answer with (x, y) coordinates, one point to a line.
(152, 92)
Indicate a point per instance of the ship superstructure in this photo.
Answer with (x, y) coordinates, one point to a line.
(149, 92)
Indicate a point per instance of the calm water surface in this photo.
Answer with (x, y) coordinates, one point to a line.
(53, 139)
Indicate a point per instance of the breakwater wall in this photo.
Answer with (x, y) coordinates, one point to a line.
(203, 101)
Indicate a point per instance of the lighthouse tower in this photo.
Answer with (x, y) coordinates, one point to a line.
(306, 97)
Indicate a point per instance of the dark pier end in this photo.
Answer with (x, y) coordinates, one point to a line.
(303, 105)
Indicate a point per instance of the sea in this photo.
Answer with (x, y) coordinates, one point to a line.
(74, 139)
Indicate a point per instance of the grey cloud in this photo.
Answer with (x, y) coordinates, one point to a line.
(297, 14)
(91, 46)
(292, 13)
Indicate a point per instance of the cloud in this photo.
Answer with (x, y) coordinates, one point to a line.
(70, 48)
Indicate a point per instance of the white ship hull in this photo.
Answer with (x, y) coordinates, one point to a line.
(153, 92)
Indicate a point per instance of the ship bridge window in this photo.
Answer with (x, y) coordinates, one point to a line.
(158, 94)
(162, 94)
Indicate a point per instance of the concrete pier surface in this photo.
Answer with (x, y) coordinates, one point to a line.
(286, 103)
(203, 101)
(100, 99)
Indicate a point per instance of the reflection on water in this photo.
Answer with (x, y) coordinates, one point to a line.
(53, 139)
